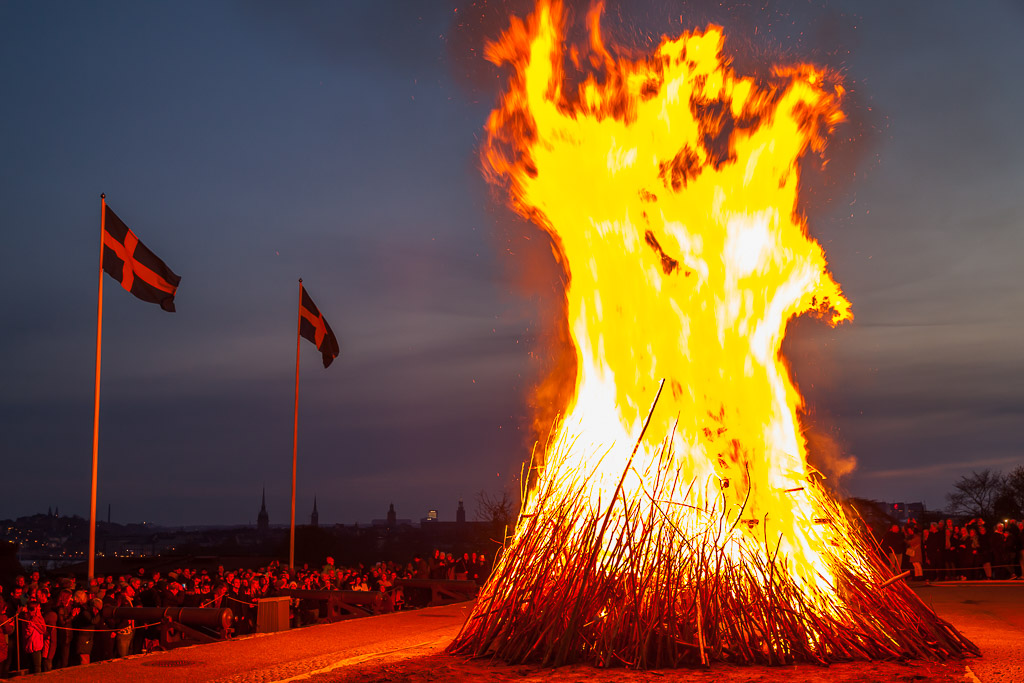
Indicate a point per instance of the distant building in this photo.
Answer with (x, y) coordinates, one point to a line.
(314, 519)
(453, 535)
(263, 519)
(904, 512)
(392, 520)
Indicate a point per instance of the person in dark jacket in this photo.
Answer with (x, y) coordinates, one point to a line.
(66, 611)
(85, 623)
(1000, 554)
(894, 543)
(934, 545)
(172, 595)
(949, 551)
(125, 628)
(985, 551)
(50, 618)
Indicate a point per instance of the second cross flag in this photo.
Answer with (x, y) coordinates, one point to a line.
(313, 327)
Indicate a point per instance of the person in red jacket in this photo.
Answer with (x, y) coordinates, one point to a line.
(7, 622)
(35, 634)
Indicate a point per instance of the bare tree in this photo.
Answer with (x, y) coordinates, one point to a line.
(500, 511)
(976, 494)
(1013, 491)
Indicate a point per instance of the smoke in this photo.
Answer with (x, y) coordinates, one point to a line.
(826, 454)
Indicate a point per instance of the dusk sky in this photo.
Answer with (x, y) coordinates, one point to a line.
(252, 143)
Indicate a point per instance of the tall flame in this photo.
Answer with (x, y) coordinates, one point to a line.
(670, 188)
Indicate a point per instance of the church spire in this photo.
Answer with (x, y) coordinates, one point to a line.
(263, 519)
(314, 519)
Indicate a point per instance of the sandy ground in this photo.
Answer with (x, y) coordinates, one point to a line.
(435, 667)
(408, 647)
(991, 614)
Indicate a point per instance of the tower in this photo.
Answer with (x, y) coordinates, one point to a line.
(460, 514)
(391, 515)
(263, 519)
(314, 519)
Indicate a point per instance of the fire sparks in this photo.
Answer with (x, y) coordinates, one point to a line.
(693, 529)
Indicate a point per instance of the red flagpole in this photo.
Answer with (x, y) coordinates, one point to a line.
(295, 431)
(96, 398)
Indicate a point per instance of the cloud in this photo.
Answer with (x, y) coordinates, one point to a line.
(939, 468)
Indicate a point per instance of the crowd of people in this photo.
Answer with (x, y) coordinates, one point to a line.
(51, 622)
(944, 551)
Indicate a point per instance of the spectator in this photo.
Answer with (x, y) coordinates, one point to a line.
(462, 567)
(34, 635)
(985, 551)
(172, 595)
(65, 611)
(7, 622)
(895, 545)
(974, 558)
(85, 623)
(439, 566)
(915, 552)
(328, 569)
(1019, 548)
(482, 571)
(964, 553)
(125, 628)
(49, 610)
(949, 550)
(421, 568)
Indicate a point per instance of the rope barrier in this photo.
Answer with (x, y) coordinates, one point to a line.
(89, 630)
(241, 602)
(933, 568)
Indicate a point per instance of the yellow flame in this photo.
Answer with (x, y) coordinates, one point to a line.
(671, 189)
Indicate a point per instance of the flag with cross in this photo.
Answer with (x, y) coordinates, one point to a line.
(139, 271)
(313, 327)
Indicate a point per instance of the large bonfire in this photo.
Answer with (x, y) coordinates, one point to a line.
(672, 517)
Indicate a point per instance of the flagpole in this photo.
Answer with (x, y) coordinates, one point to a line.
(295, 430)
(96, 398)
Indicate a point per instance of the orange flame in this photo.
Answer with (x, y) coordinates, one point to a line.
(670, 187)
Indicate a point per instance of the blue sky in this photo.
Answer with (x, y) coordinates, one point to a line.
(250, 144)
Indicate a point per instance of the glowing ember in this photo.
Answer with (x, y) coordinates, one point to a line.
(695, 530)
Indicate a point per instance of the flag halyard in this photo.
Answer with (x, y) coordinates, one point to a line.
(138, 269)
(314, 327)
